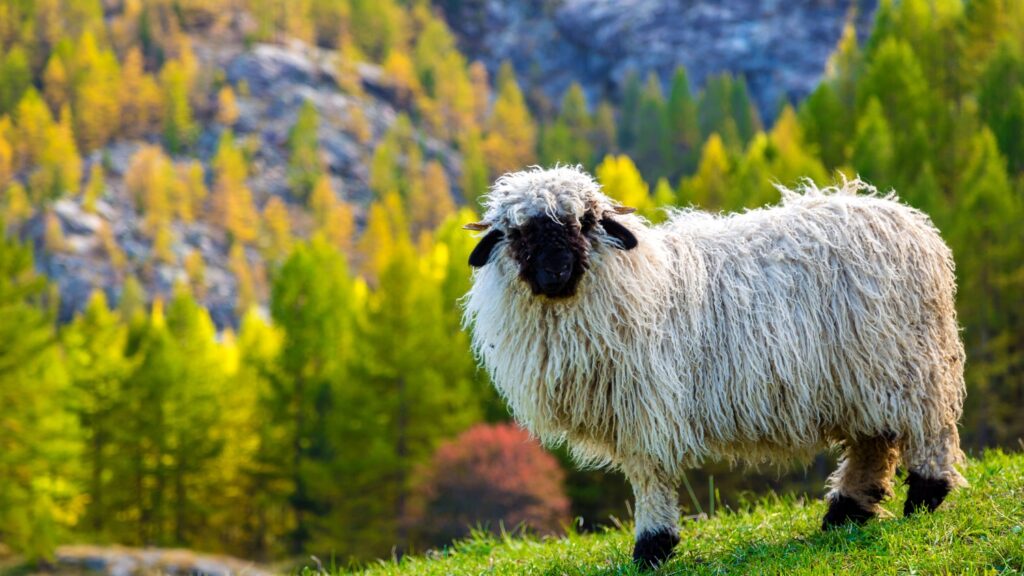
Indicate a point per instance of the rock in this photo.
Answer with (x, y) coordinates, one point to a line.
(779, 46)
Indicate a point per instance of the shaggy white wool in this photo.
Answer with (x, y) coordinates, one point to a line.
(755, 337)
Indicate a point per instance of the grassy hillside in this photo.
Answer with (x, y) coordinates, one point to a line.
(977, 531)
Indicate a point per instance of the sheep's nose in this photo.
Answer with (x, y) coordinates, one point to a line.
(559, 271)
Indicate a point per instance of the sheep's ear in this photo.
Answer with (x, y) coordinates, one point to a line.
(477, 226)
(623, 209)
(482, 253)
(620, 233)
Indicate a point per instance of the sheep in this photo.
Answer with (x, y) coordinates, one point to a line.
(756, 337)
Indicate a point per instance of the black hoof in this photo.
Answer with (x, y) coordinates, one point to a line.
(925, 493)
(653, 548)
(843, 509)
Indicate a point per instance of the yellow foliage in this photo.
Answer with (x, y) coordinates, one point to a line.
(511, 132)
(233, 208)
(227, 106)
(16, 207)
(620, 179)
(432, 201)
(277, 236)
(94, 188)
(709, 187)
(141, 101)
(53, 233)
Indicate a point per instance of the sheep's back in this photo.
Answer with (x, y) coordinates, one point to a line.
(828, 316)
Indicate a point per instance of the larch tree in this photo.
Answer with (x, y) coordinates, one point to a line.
(233, 208)
(511, 132)
(305, 166)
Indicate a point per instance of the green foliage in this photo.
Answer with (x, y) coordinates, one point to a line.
(38, 453)
(304, 165)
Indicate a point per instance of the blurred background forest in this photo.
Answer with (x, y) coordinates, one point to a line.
(231, 247)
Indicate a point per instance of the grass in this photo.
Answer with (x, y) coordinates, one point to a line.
(977, 531)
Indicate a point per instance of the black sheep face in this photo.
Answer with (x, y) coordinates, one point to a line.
(552, 256)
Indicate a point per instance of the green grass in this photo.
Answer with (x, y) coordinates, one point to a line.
(977, 531)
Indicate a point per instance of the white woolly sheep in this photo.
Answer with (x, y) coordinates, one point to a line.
(756, 337)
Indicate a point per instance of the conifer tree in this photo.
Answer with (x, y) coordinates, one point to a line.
(429, 208)
(709, 187)
(872, 153)
(605, 133)
(684, 133)
(620, 178)
(232, 199)
(95, 346)
(94, 188)
(652, 147)
(629, 109)
(474, 179)
(277, 235)
(179, 126)
(511, 132)
(38, 449)
(304, 165)
(312, 306)
(227, 106)
(141, 100)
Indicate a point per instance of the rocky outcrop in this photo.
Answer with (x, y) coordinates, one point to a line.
(278, 80)
(779, 46)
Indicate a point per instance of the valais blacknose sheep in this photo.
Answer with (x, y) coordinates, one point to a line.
(754, 337)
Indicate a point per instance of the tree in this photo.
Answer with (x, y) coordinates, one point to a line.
(38, 447)
(180, 129)
(474, 179)
(709, 187)
(987, 284)
(604, 135)
(872, 153)
(574, 120)
(15, 78)
(629, 109)
(620, 178)
(333, 216)
(232, 200)
(1001, 102)
(277, 235)
(95, 346)
(684, 132)
(227, 106)
(59, 167)
(652, 148)
(511, 132)
(305, 166)
(311, 304)
(152, 182)
(494, 476)
(94, 188)
(141, 99)
(429, 208)
(94, 94)
(715, 112)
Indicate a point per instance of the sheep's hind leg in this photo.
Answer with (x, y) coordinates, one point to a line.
(657, 514)
(931, 472)
(862, 481)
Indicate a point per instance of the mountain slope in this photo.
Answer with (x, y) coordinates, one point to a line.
(978, 530)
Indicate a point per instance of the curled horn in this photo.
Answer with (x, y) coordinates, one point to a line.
(477, 226)
(623, 209)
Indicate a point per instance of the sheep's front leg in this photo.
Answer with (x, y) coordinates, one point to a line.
(657, 514)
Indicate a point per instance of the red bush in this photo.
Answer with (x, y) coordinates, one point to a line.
(490, 476)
